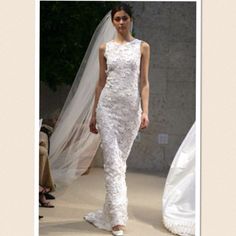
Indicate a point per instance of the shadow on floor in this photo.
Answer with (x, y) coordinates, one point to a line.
(150, 216)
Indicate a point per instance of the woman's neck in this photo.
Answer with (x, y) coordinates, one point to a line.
(123, 38)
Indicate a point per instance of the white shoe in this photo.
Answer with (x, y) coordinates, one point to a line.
(117, 232)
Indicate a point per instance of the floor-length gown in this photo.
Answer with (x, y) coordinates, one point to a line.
(118, 115)
(179, 192)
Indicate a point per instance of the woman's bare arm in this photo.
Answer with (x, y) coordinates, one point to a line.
(145, 58)
(102, 77)
(99, 86)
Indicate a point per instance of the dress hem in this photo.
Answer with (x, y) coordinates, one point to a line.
(180, 228)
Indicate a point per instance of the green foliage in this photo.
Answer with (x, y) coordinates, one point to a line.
(66, 29)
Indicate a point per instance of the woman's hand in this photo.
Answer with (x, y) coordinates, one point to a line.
(92, 125)
(144, 121)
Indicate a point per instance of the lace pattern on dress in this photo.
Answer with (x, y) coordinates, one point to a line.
(118, 115)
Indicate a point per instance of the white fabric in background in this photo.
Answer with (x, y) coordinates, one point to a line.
(40, 123)
(178, 202)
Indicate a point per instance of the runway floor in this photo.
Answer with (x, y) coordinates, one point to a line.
(87, 194)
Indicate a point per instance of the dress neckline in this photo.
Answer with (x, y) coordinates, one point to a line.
(123, 43)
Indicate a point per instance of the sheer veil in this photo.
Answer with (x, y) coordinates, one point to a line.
(73, 146)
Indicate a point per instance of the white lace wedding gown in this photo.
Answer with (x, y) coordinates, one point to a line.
(118, 117)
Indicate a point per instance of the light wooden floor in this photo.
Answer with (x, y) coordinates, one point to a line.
(87, 194)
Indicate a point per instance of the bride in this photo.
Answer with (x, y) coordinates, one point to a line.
(120, 109)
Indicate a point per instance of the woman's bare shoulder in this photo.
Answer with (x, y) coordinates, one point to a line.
(145, 47)
(144, 44)
(102, 47)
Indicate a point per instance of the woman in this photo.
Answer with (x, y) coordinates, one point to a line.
(120, 110)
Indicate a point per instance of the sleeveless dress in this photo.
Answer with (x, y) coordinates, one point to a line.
(118, 116)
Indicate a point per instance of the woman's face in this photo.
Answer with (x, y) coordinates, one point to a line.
(122, 21)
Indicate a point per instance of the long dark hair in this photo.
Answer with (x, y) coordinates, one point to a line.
(121, 6)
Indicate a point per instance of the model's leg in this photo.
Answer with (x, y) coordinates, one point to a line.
(115, 184)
